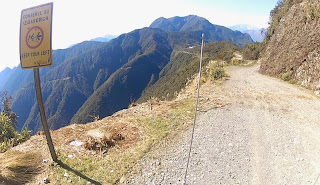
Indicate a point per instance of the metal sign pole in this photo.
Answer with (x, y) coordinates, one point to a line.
(43, 115)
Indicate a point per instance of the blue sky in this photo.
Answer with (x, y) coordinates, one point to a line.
(248, 7)
(75, 21)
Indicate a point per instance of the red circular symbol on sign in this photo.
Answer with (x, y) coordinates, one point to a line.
(34, 37)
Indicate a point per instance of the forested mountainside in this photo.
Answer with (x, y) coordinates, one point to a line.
(182, 66)
(19, 77)
(97, 79)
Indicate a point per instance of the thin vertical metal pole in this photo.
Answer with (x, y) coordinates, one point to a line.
(43, 115)
(195, 113)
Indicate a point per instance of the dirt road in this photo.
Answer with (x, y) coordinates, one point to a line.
(268, 133)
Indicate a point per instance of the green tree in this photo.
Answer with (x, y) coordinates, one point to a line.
(6, 104)
(7, 131)
(253, 51)
(9, 137)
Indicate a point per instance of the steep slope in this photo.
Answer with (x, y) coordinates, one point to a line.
(67, 87)
(19, 77)
(63, 83)
(24, 100)
(294, 42)
(182, 66)
(128, 82)
(193, 23)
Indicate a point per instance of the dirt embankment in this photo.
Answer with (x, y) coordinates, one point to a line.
(294, 45)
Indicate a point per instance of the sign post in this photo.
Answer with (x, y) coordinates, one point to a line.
(36, 52)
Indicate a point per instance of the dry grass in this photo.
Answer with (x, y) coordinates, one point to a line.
(19, 168)
(107, 168)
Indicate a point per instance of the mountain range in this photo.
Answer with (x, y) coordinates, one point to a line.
(106, 38)
(99, 78)
(243, 27)
(257, 34)
(194, 23)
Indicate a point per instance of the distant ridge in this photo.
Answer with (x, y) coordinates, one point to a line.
(243, 27)
(193, 23)
(106, 38)
(257, 34)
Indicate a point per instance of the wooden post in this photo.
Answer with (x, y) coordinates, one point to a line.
(43, 115)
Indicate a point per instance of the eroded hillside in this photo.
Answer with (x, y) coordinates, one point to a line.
(293, 42)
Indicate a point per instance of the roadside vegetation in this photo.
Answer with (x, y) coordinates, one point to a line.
(109, 168)
(288, 77)
(15, 167)
(9, 136)
(97, 165)
(253, 51)
(215, 70)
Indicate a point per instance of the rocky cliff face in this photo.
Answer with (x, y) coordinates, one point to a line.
(293, 43)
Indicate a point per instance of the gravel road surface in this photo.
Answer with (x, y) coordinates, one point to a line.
(267, 133)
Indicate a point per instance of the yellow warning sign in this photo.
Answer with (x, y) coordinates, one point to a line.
(35, 37)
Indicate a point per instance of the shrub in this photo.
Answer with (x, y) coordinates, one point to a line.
(9, 137)
(236, 62)
(217, 73)
(286, 76)
(214, 71)
(203, 80)
(25, 134)
(7, 130)
(253, 51)
(292, 81)
(17, 138)
(6, 103)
